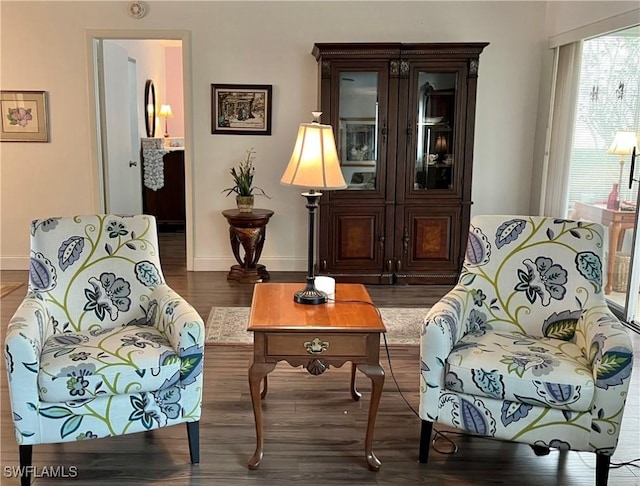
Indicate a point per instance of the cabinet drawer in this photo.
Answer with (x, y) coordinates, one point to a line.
(318, 344)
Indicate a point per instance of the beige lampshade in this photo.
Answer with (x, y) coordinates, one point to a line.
(165, 111)
(314, 162)
(623, 143)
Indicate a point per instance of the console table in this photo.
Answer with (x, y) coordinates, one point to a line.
(247, 229)
(315, 337)
(617, 221)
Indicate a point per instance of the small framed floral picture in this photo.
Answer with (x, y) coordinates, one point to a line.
(24, 116)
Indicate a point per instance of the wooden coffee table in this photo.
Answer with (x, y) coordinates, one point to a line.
(315, 337)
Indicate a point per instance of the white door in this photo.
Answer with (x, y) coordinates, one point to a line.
(123, 193)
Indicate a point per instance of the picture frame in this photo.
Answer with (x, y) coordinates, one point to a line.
(241, 109)
(24, 116)
(358, 142)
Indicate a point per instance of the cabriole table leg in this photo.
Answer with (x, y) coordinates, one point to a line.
(258, 372)
(376, 374)
(355, 394)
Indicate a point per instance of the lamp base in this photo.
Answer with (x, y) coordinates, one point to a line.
(310, 295)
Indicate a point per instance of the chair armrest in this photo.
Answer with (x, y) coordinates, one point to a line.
(177, 319)
(27, 331)
(606, 345)
(444, 325)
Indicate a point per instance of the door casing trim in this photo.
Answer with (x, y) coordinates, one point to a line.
(92, 35)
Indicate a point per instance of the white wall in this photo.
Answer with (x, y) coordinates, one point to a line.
(150, 64)
(174, 92)
(271, 45)
(566, 16)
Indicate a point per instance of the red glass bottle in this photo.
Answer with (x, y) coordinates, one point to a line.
(613, 202)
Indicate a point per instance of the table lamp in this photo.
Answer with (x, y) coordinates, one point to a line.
(623, 144)
(441, 147)
(165, 112)
(315, 165)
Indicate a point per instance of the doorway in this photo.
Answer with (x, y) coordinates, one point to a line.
(120, 174)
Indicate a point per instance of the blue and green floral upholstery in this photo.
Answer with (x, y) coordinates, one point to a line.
(524, 348)
(101, 345)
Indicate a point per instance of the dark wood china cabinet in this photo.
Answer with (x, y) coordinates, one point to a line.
(403, 117)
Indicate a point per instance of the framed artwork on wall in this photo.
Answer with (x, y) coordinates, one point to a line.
(24, 116)
(241, 109)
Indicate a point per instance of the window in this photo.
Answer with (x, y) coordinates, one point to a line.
(608, 101)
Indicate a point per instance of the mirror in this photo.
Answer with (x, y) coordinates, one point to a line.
(150, 108)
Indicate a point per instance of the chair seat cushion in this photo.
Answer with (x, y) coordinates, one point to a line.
(121, 360)
(521, 368)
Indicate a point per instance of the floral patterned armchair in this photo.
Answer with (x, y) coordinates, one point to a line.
(101, 346)
(524, 347)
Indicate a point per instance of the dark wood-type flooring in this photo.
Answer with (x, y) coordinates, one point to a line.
(314, 432)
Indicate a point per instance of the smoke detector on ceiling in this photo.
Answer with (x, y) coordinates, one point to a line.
(137, 10)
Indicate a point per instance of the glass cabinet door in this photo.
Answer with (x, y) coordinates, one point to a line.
(435, 145)
(358, 144)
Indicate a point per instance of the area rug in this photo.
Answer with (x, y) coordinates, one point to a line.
(228, 325)
(8, 287)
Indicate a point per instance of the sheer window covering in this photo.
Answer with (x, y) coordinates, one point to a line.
(560, 134)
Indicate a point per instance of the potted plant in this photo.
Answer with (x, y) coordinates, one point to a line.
(243, 183)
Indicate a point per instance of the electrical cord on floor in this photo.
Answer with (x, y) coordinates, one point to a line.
(632, 463)
(612, 464)
(438, 435)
